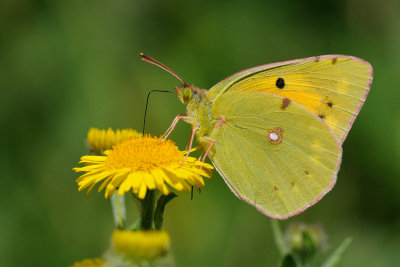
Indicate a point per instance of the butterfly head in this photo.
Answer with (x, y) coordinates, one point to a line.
(185, 93)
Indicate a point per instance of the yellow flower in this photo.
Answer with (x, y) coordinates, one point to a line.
(89, 263)
(141, 244)
(100, 140)
(141, 164)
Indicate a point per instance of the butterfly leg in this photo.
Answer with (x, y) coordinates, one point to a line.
(190, 143)
(205, 156)
(173, 124)
(207, 151)
(191, 191)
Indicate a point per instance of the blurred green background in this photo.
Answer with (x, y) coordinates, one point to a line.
(66, 66)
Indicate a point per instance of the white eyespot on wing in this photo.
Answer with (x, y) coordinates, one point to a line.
(275, 135)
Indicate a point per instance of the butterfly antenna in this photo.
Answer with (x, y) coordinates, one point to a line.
(150, 60)
(147, 104)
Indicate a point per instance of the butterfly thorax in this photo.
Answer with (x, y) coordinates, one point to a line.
(198, 112)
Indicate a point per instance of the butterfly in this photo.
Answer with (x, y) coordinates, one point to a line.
(275, 132)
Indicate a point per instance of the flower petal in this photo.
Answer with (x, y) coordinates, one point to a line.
(149, 180)
(142, 192)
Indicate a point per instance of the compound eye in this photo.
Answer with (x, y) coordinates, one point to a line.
(186, 94)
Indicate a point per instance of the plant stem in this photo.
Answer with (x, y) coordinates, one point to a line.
(119, 211)
(159, 212)
(278, 237)
(147, 212)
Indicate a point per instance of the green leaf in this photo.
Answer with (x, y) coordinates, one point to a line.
(336, 256)
(159, 212)
(288, 261)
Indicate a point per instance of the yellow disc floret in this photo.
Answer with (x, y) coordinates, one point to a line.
(143, 154)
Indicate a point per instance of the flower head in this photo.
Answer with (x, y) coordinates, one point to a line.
(139, 248)
(141, 244)
(100, 140)
(89, 263)
(141, 164)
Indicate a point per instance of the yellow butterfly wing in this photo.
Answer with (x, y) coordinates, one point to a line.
(279, 160)
(332, 87)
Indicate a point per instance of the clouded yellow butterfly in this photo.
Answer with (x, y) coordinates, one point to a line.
(275, 132)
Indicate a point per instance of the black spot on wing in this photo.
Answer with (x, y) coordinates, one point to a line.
(280, 83)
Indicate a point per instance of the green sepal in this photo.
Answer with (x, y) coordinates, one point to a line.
(308, 249)
(288, 261)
